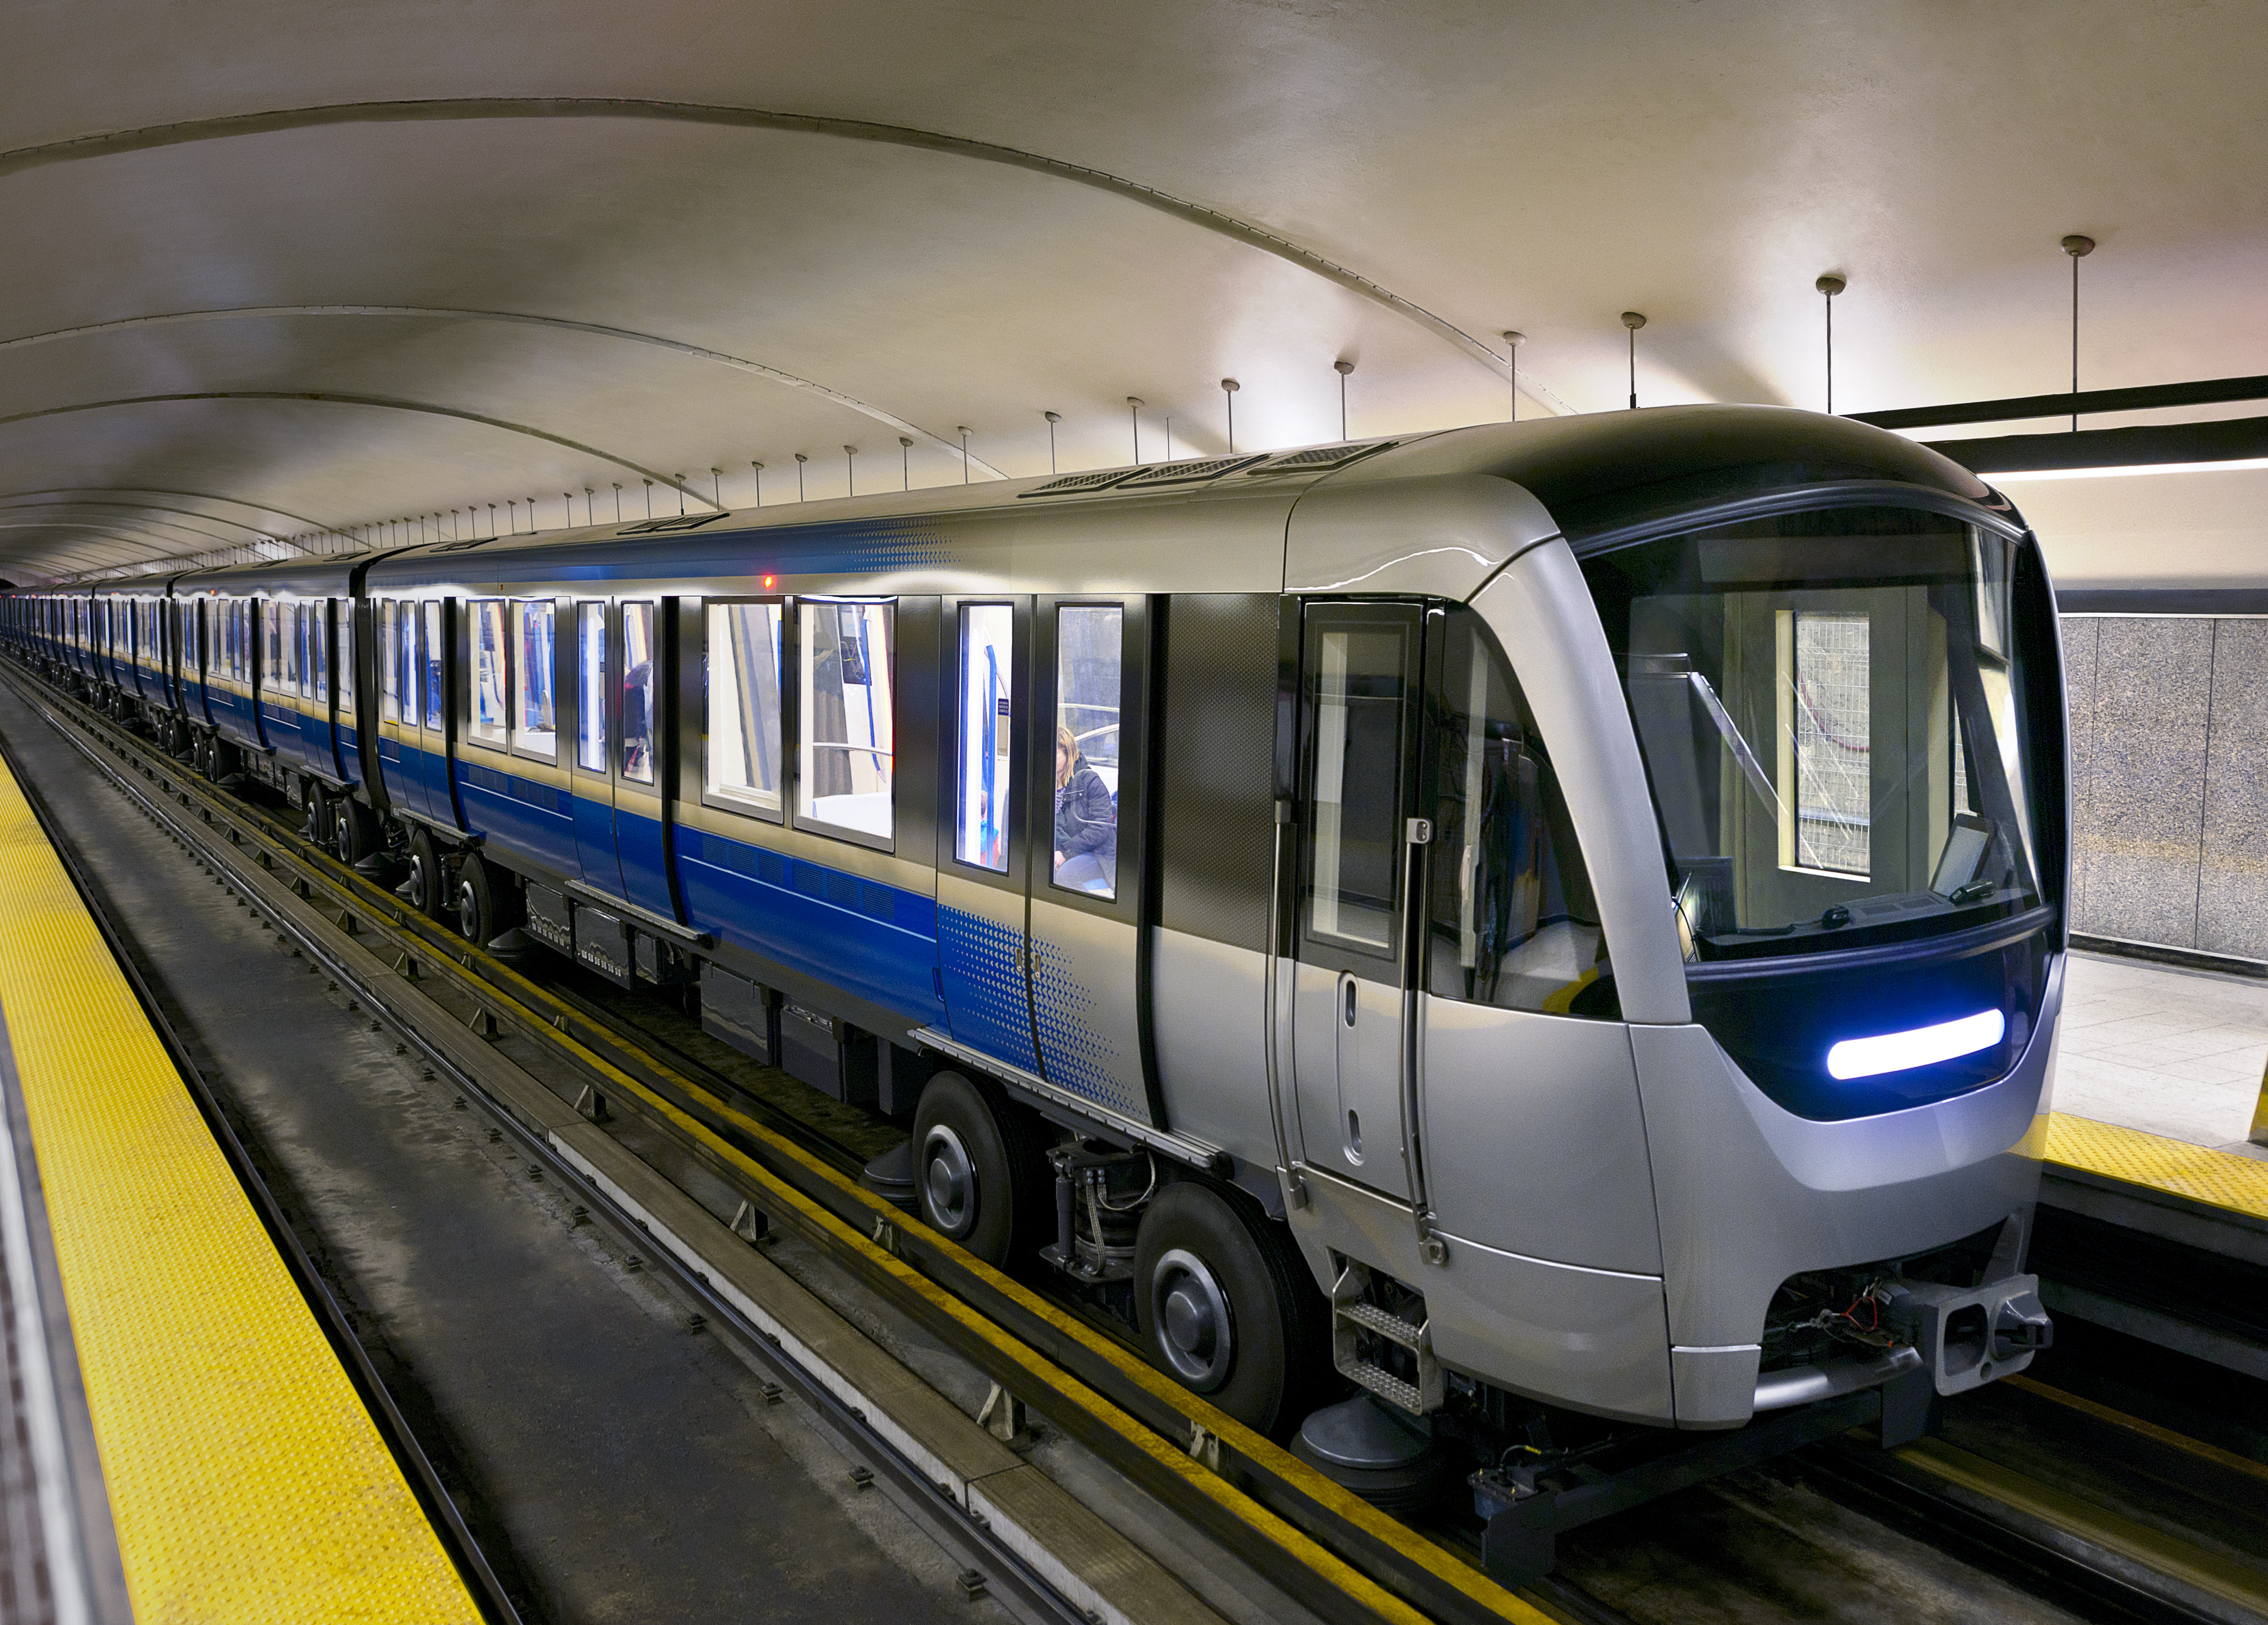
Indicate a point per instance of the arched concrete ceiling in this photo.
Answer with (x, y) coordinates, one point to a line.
(279, 270)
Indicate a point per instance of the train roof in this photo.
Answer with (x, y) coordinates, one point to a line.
(1592, 472)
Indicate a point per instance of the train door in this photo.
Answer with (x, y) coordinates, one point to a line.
(1351, 1008)
(593, 776)
(437, 625)
(642, 744)
(400, 704)
(1089, 671)
(983, 882)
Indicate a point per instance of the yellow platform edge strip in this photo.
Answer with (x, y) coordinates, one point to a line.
(247, 1481)
(2218, 1179)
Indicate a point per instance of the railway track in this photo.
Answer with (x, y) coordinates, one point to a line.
(766, 1161)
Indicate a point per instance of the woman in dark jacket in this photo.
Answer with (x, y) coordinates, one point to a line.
(1086, 822)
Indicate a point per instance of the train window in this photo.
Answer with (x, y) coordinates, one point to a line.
(744, 704)
(537, 731)
(637, 693)
(436, 694)
(295, 643)
(492, 677)
(983, 806)
(1358, 687)
(344, 610)
(1826, 726)
(1512, 922)
(1090, 656)
(318, 662)
(410, 665)
(591, 687)
(272, 620)
(848, 662)
(389, 702)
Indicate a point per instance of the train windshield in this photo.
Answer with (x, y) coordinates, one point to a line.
(1829, 707)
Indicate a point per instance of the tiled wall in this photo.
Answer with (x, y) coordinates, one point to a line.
(2169, 764)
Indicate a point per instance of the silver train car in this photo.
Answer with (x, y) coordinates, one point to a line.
(1565, 914)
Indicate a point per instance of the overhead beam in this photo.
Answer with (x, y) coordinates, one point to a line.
(2236, 439)
(384, 403)
(317, 525)
(451, 109)
(2144, 398)
(561, 324)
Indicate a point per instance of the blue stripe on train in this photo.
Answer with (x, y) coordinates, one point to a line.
(876, 941)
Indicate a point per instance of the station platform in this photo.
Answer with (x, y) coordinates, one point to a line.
(2161, 1082)
(186, 1445)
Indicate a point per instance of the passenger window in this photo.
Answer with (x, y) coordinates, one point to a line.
(389, 690)
(436, 695)
(983, 804)
(1359, 689)
(1090, 656)
(536, 733)
(848, 663)
(295, 638)
(637, 693)
(344, 609)
(1512, 920)
(272, 674)
(744, 704)
(591, 689)
(409, 663)
(491, 681)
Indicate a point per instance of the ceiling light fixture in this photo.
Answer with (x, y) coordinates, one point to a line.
(1345, 370)
(850, 469)
(1053, 419)
(717, 486)
(1512, 341)
(2078, 247)
(759, 468)
(964, 433)
(1633, 320)
(799, 461)
(1831, 284)
(1228, 388)
(1134, 405)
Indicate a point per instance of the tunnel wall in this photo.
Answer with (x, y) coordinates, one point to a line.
(2169, 780)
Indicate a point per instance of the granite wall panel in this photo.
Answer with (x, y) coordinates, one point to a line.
(2080, 638)
(2145, 807)
(2232, 882)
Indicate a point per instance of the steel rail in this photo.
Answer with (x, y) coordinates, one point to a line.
(1331, 1551)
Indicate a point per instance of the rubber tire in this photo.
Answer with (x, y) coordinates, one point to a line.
(1006, 1165)
(1279, 1323)
(355, 832)
(476, 901)
(429, 878)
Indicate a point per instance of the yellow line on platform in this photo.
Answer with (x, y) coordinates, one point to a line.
(2218, 1179)
(246, 1479)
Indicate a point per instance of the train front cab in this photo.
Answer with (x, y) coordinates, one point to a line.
(1729, 852)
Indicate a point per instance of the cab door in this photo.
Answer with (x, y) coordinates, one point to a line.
(983, 871)
(400, 703)
(1352, 1008)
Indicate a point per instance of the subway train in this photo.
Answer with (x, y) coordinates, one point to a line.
(1564, 914)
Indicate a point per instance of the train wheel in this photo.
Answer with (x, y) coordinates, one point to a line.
(976, 1169)
(354, 830)
(428, 882)
(1226, 1306)
(477, 916)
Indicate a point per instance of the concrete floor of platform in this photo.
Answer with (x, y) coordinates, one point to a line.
(2170, 1052)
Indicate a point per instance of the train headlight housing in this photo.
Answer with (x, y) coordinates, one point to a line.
(1899, 1052)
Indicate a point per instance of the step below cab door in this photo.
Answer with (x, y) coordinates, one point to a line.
(1351, 1007)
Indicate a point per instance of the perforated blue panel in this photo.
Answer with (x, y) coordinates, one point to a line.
(1080, 1061)
(983, 989)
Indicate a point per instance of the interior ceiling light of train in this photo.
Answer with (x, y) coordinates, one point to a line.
(281, 278)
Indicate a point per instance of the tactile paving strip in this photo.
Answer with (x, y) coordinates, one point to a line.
(2220, 1178)
(245, 1481)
